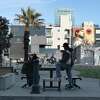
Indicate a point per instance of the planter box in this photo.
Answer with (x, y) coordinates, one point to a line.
(5, 70)
(7, 81)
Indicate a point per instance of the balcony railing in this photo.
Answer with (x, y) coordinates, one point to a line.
(67, 36)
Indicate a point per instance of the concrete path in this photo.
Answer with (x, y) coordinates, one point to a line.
(89, 88)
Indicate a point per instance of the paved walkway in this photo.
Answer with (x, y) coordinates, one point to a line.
(89, 88)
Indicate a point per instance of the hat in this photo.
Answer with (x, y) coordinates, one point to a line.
(65, 45)
(34, 56)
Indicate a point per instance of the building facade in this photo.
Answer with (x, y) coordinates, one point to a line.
(85, 39)
(97, 37)
(37, 40)
(60, 32)
(97, 45)
(64, 18)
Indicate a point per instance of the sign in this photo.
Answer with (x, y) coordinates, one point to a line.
(89, 34)
(78, 35)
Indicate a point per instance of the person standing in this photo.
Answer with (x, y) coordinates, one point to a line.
(36, 75)
(58, 56)
(65, 63)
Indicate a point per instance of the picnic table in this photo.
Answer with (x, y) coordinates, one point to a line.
(50, 68)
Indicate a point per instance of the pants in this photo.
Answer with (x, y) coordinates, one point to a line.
(36, 79)
(29, 79)
(36, 76)
(67, 67)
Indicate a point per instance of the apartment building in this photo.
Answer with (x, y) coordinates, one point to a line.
(60, 32)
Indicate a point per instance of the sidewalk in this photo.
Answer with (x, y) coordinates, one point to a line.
(89, 88)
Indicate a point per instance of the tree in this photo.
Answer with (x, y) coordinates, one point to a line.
(28, 17)
(4, 36)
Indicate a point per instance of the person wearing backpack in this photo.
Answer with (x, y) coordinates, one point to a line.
(66, 63)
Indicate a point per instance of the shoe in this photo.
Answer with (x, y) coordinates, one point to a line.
(69, 86)
(24, 86)
(57, 78)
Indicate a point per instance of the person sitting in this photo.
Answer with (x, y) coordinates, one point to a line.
(27, 69)
(52, 60)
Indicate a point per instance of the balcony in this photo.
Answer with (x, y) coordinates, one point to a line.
(49, 43)
(66, 36)
(48, 35)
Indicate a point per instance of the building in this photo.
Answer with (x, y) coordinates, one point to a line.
(97, 45)
(60, 32)
(49, 36)
(97, 37)
(59, 36)
(89, 48)
(86, 47)
(64, 18)
(17, 47)
(37, 40)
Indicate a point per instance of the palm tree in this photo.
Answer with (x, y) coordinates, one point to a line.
(28, 17)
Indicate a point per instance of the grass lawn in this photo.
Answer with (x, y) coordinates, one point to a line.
(90, 72)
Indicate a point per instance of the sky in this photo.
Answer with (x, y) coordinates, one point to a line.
(83, 10)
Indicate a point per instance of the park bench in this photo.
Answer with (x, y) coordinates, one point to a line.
(74, 80)
(24, 77)
(52, 86)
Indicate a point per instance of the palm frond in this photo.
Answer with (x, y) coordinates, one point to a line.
(29, 16)
(16, 19)
(17, 15)
(23, 12)
(41, 19)
(37, 15)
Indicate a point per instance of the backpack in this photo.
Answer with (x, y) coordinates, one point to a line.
(27, 68)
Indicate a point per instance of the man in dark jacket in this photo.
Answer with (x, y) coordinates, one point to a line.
(36, 76)
(65, 63)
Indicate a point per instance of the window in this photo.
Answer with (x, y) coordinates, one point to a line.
(67, 31)
(97, 35)
(58, 38)
(49, 41)
(58, 30)
(48, 32)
